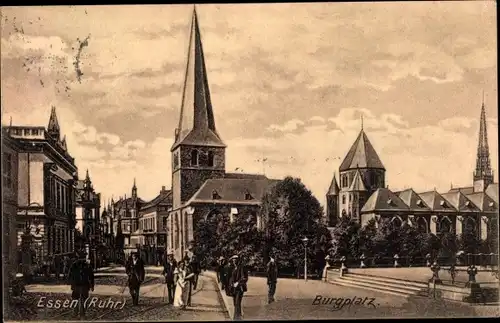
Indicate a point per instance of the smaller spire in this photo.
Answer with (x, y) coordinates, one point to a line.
(483, 97)
(63, 143)
(10, 122)
(361, 122)
(134, 187)
(87, 177)
(334, 187)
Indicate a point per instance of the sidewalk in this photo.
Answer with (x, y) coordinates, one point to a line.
(226, 300)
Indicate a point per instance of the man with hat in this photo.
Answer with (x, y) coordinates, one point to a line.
(169, 272)
(81, 279)
(238, 284)
(136, 274)
(272, 278)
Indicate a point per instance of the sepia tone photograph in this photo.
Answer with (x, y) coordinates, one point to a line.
(218, 162)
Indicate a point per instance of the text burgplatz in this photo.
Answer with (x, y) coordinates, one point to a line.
(341, 302)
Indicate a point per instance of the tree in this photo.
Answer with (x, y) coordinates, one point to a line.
(210, 238)
(292, 213)
(468, 241)
(345, 242)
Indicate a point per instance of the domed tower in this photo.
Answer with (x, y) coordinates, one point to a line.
(361, 173)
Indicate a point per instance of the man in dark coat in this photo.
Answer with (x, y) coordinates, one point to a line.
(81, 279)
(221, 266)
(196, 268)
(238, 284)
(136, 274)
(168, 271)
(272, 278)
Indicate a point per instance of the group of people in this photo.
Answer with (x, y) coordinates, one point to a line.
(181, 278)
(232, 275)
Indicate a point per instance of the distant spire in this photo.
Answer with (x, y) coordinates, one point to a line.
(64, 143)
(87, 177)
(10, 122)
(483, 163)
(53, 128)
(361, 122)
(134, 184)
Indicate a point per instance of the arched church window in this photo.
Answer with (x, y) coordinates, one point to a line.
(211, 159)
(445, 225)
(422, 225)
(470, 225)
(194, 157)
(343, 199)
(396, 222)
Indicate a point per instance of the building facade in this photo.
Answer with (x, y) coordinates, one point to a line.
(125, 214)
(200, 185)
(47, 177)
(10, 159)
(363, 195)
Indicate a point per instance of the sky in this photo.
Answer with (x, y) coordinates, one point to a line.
(289, 83)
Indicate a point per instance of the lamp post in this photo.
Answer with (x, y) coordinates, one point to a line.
(305, 240)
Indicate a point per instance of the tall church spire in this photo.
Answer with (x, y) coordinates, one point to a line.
(196, 124)
(483, 164)
(53, 128)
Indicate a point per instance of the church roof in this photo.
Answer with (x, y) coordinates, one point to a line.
(196, 123)
(436, 202)
(357, 184)
(466, 190)
(244, 176)
(128, 203)
(361, 155)
(413, 200)
(334, 187)
(460, 202)
(384, 200)
(483, 202)
(492, 191)
(232, 191)
(163, 199)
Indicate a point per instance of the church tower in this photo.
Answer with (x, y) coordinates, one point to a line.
(361, 173)
(332, 203)
(53, 128)
(198, 152)
(483, 175)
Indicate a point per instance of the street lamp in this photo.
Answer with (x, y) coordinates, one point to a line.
(305, 240)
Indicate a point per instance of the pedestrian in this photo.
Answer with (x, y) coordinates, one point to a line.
(221, 264)
(136, 274)
(238, 284)
(189, 281)
(81, 279)
(180, 299)
(228, 269)
(196, 268)
(272, 278)
(169, 268)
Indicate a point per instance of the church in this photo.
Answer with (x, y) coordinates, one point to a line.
(201, 187)
(363, 194)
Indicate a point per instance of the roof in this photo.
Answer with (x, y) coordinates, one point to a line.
(163, 199)
(129, 203)
(465, 190)
(361, 155)
(244, 176)
(413, 200)
(233, 191)
(492, 191)
(384, 200)
(357, 184)
(460, 202)
(334, 187)
(196, 123)
(483, 202)
(436, 202)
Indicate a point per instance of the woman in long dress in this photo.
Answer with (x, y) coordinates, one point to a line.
(181, 290)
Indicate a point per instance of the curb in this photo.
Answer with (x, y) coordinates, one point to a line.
(228, 305)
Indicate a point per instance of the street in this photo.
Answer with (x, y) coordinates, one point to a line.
(295, 298)
(39, 302)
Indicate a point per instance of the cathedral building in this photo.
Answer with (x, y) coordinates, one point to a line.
(363, 196)
(201, 187)
(46, 183)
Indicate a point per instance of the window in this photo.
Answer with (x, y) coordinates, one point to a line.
(211, 159)
(34, 132)
(7, 170)
(164, 223)
(215, 195)
(248, 196)
(343, 199)
(194, 157)
(26, 132)
(176, 160)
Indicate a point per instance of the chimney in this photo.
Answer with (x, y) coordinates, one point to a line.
(163, 189)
